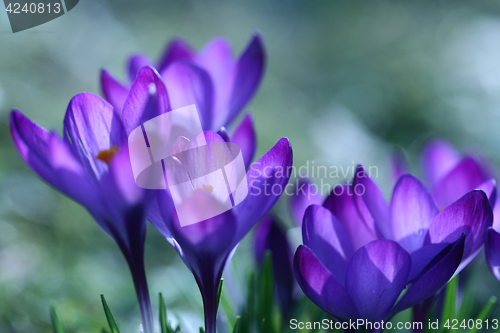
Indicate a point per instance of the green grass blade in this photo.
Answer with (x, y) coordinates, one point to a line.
(485, 312)
(450, 302)
(236, 327)
(109, 316)
(57, 322)
(266, 295)
(103, 330)
(219, 293)
(163, 315)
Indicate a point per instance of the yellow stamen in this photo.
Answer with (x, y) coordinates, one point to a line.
(208, 188)
(107, 155)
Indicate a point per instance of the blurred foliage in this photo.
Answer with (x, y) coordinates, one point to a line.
(346, 81)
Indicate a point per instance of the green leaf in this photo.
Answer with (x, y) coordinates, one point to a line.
(450, 301)
(485, 312)
(236, 327)
(57, 322)
(103, 330)
(219, 293)
(202, 330)
(163, 315)
(109, 316)
(266, 295)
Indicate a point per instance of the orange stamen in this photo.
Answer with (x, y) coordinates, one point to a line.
(107, 155)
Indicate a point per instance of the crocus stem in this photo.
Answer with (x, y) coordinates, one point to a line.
(210, 307)
(420, 312)
(141, 288)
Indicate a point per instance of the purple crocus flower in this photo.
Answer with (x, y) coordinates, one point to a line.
(359, 253)
(271, 236)
(451, 174)
(225, 84)
(206, 246)
(91, 165)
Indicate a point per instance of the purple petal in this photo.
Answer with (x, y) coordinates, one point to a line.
(371, 204)
(435, 276)
(272, 171)
(90, 127)
(489, 187)
(423, 256)
(52, 159)
(328, 239)
(412, 212)
(114, 92)
(189, 84)
(147, 99)
(341, 203)
(176, 50)
(321, 287)
(438, 158)
(496, 214)
(399, 166)
(212, 238)
(246, 139)
(217, 59)
(464, 178)
(155, 216)
(249, 72)
(492, 250)
(470, 215)
(135, 63)
(302, 197)
(120, 182)
(31, 142)
(222, 132)
(376, 276)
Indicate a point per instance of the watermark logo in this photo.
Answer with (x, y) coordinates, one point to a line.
(171, 151)
(28, 14)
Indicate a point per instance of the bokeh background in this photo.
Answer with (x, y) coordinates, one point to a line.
(346, 82)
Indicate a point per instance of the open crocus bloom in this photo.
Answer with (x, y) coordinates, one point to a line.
(206, 246)
(91, 166)
(359, 253)
(450, 175)
(221, 85)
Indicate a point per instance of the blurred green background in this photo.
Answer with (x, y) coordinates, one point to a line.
(346, 82)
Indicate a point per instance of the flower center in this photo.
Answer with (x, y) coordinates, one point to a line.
(107, 155)
(208, 188)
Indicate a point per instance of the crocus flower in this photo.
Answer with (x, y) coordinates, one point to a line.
(206, 246)
(270, 235)
(90, 164)
(225, 84)
(359, 253)
(451, 174)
